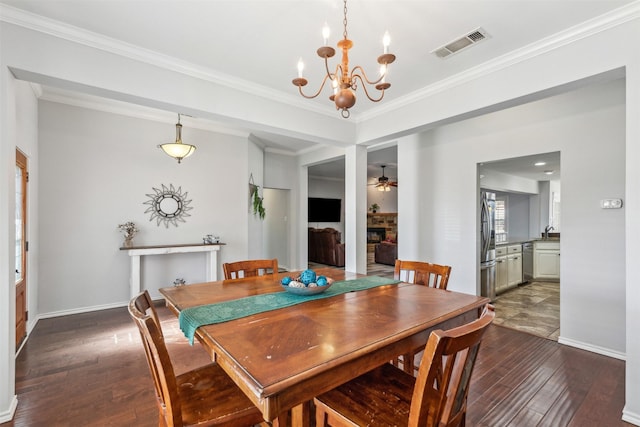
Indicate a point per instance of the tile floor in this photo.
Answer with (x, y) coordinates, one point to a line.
(533, 308)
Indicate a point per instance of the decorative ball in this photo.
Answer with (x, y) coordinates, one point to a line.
(286, 280)
(296, 284)
(321, 281)
(308, 276)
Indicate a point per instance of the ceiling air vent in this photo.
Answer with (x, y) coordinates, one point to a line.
(463, 42)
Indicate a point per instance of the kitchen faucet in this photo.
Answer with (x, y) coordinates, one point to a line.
(547, 229)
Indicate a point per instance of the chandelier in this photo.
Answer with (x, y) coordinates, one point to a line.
(178, 150)
(343, 81)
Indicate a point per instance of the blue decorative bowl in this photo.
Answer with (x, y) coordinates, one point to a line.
(308, 290)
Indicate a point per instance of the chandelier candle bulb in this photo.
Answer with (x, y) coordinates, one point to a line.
(300, 68)
(386, 41)
(326, 31)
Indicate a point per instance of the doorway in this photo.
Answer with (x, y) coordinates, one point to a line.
(528, 267)
(22, 177)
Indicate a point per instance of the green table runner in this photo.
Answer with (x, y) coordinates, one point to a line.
(192, 318)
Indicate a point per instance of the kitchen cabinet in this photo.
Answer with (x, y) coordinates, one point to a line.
(514, 264)
(502, 270)
(508, 267)
(546, 260)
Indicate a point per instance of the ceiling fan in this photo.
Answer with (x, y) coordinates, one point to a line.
(384, 184)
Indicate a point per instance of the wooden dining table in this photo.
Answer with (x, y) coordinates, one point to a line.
(284, 357)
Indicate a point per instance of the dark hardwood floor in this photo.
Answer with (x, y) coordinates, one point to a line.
(90, 370)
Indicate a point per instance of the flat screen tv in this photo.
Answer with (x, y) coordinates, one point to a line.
(324, 210)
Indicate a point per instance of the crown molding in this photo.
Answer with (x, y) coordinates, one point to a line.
(578, 32)
(326, 178)
(78, 35)
(87, 38)
(280, 151)
(82, 100)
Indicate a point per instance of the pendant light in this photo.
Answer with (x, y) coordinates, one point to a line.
(178, 150)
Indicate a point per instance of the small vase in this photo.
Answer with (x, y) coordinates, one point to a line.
(128, 242)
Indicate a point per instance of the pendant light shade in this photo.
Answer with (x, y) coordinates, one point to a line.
(178, 150)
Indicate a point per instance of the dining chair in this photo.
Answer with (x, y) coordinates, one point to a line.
(203, 396)
(421, 273)
(250, 268)
(388, 396)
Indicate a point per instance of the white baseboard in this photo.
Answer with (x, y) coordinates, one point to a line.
(630, 417)
(7, 415)
(88, 309)
(593, 348)
(82, 310)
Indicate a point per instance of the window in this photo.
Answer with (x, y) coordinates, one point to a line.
(501, 219)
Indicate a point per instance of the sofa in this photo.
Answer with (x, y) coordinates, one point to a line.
(325, 246)
(386, 252)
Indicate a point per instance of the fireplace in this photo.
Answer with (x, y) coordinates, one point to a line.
(375, 235)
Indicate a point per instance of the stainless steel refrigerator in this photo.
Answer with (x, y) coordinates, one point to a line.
(487, 245)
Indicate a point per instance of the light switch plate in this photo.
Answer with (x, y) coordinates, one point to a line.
(611, 203)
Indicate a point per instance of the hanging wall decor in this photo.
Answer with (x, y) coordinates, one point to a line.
(256, 200)
(168, 205)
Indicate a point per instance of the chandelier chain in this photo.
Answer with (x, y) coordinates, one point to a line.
(344, 21)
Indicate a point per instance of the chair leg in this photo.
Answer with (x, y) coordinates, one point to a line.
(407, 363)
(300, 415)
(321, 416)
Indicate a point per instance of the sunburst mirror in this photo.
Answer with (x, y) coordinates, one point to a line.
(168, 205)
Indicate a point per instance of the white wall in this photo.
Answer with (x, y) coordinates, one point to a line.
(96, 170)
(276, 226)
(577, 124)
(387, 200)
(497, 181)
(254, 223)
(517, 215)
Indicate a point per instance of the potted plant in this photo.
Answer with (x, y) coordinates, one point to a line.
(374, 208)
(256, 200)
(129, 229)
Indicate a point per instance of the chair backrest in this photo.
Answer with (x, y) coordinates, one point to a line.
(441, 388)
(145, 316)
(422, 273)
(250, 268)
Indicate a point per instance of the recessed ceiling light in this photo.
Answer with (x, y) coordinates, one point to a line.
(539, 163)
(548, 172)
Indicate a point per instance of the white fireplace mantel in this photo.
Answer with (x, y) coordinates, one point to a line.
(137, 251)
